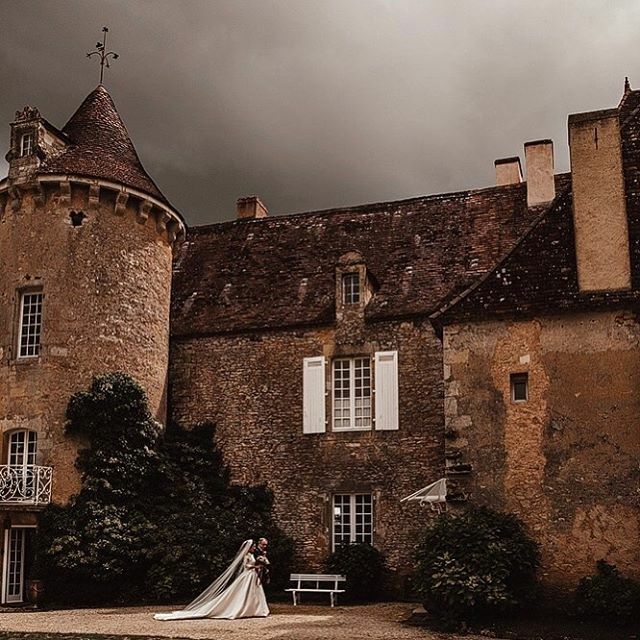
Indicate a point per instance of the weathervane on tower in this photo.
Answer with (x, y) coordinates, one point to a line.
(101, 50)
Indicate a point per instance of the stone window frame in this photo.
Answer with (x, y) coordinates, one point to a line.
(26, 150)
(519, 378)
(352, 359)
(22, 294)
(368, 518)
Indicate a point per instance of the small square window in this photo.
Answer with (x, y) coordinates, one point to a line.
(351, 288)
(26, 144)
(519, 387)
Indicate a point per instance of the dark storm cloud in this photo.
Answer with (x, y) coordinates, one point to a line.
(315, 104)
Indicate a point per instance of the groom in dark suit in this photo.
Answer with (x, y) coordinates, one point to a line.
(260, 554)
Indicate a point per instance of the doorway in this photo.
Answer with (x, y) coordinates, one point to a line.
(17, 557)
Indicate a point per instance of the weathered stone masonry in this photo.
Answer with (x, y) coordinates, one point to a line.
(83, 225)
(464, 289)
(250, 386)
(566, 461)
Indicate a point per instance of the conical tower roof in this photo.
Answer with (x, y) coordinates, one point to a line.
(101, 147)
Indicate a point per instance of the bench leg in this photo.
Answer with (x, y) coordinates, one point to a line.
(293, 593)
(332, 600)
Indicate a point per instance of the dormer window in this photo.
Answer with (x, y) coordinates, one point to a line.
(26, 144)
(351, 288)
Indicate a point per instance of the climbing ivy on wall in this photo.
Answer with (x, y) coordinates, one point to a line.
(156, 518)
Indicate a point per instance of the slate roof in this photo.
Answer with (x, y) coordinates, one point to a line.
(280, 271)
(101, 147)
(540, 274)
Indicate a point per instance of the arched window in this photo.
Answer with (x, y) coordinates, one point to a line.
(22, 448)
(19, 481)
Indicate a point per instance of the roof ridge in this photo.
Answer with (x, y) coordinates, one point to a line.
(363, 208)
(360, 208)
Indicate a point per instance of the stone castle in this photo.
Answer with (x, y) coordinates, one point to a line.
(483, 345)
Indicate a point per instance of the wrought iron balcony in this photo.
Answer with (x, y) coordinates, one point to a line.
(29, 485)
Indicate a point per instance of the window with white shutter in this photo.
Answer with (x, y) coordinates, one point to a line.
(313, 383)
(386, 376)
(351, 394)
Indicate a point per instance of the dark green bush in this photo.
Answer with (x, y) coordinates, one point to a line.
(475, 563)
(364, 568)
(608, 595)
(156, 518)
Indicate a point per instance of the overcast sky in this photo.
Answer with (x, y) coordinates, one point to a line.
(316, 104)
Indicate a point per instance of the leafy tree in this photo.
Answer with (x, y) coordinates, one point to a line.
(608, 595)
(474, 563)
(364, 568)
(156, 518)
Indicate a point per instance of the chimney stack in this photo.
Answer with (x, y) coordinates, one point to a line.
(508, 171)
(541, 186)
(599, 204)
(251, 207)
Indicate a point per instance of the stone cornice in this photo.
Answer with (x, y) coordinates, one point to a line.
(167, 219)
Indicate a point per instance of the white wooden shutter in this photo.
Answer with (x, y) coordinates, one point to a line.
(386, 392)
(313, 382)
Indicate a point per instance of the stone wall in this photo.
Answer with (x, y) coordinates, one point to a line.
(250, 386)
(106, 286)
(599, 206)
(566, 460)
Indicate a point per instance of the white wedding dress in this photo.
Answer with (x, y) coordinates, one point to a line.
(237, 593)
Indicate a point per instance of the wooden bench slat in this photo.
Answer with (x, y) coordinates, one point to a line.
(319, 590)
(316, 576)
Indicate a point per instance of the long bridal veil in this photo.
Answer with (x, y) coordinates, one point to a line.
(199, 605)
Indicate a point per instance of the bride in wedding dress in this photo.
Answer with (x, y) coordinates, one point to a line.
(237, 593)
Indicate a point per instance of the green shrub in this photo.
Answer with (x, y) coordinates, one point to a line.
(364, 568)
(156, 518)
(475, 563)
(608, 595)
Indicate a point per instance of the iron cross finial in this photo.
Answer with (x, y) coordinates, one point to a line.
(101, 50)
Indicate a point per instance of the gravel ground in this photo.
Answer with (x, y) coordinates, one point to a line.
(305, 622)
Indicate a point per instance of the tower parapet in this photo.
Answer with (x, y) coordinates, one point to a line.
(94, 151)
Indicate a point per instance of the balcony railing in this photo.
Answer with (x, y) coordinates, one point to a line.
(29, 484)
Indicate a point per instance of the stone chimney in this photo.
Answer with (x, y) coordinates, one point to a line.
(251, 207)
(599, 205)
(508, 171)
(541, 186)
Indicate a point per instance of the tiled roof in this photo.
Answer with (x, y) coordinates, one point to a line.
(280, 271)
(101, 147)
(540, 274)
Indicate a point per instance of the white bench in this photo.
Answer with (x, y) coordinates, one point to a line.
(331, 582)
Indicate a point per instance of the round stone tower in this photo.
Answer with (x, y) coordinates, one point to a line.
(86, 241)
